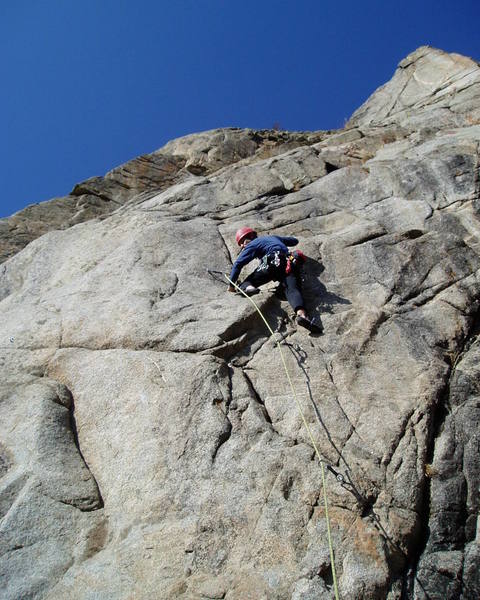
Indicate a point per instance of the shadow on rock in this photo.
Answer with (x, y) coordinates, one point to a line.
(317, 298)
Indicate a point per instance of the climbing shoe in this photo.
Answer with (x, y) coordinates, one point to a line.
(251, 290)
(310, 324)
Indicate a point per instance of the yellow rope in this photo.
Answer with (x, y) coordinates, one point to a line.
(309, 431)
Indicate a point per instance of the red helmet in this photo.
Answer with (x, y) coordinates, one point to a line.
(243, 232)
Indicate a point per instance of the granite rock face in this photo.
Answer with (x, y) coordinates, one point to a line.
(143, 177)
(150, 446)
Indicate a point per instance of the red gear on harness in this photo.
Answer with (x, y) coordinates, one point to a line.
(294, 259)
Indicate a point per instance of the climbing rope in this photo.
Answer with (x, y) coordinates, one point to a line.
(309, 431)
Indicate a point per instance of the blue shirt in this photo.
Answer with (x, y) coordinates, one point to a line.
(258, 248)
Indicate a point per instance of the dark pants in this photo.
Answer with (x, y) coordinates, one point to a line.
(272, 268)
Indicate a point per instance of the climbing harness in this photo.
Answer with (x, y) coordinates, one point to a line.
(282, 263)
(274, 261)
(310, 435)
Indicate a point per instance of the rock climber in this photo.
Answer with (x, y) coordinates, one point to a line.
(277, 263)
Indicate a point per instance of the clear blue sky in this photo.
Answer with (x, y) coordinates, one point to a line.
(90, 84)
